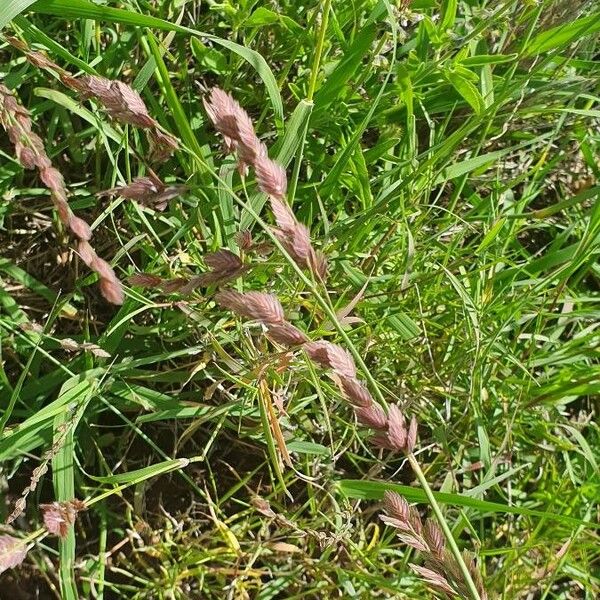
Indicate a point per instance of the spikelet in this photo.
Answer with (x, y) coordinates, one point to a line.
(148, 190)
(254, 305)
(12, 552)
(59, 517)
(121, 101)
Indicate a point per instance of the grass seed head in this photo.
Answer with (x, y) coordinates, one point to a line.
(12, 552)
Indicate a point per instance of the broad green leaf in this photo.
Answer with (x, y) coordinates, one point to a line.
(467, 90)
(260, 17)
(84, 9)
(491, 235)
(448, 14)
(11, 8)
(344, 71)
(303, 447)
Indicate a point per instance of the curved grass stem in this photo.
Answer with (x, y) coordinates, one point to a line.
(414, 463)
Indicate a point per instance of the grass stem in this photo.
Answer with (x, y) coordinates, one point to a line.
(318, 51)
(414, 463)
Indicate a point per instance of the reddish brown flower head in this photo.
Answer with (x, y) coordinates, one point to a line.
(52, 179)
(434, 579)
(286, 334)
(80, 228)
(244, 239)
(254, 305)
(270, 176)
(112, 290)
(373, 416)
(60, 516)
(356, 391)
(396, 505)
(223, 261)
(144, 280)
(434, 537)
(331, 356)
(411, 438)
(396, 428)
(148, 190)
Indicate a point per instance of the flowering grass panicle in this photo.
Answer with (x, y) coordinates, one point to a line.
(31, 154)
(440, 569)
(234, 123)
(448, 572)
(121, 102)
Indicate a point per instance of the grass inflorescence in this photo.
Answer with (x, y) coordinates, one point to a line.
(346, 345)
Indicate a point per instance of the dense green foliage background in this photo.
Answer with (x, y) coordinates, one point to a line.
(445, 156)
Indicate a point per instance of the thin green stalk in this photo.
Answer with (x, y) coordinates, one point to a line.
(318, 51)
(414, 463)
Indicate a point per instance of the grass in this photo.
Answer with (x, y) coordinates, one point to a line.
(444, 156)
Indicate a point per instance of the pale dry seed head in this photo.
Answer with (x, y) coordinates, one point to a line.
(12, 552)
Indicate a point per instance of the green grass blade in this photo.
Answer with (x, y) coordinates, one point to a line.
(374, 490)
(563, 35)
(11, 9)
(64, 490)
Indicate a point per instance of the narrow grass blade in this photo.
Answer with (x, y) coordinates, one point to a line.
(11, 9)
